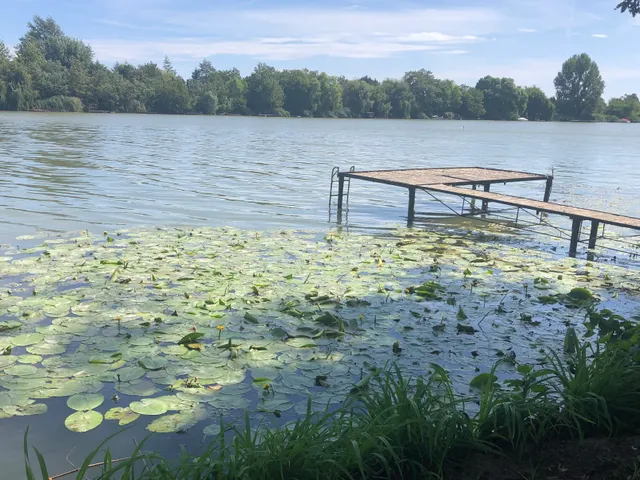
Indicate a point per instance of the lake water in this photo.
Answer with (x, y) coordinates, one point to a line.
(71, 172)
(63, 172)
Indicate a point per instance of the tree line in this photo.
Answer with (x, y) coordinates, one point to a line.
(53, 72)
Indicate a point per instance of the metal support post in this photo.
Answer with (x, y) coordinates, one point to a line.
(340, 196)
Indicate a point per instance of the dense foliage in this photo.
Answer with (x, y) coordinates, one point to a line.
(54, 72)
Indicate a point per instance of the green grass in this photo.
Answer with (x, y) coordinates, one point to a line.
(403, 427)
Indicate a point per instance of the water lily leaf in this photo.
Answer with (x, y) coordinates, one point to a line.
(177, 422)
(83, 421)
(25, 410)
(211, 430)
(12, 397)
(29, 359)
(140, 388)
(153, 363)
(22, 370)
(190, 338)
(149, 406)
(127, 374)
(124, 415)
(85, 401)
(27, 339)
(46, 348)
(9, 325)
(7, 360)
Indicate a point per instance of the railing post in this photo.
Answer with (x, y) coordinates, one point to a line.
(411, 212)
(576, 226)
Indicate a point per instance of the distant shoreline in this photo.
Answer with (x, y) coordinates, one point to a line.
(195, 114)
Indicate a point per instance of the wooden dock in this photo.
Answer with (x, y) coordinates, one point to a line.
(454, 180)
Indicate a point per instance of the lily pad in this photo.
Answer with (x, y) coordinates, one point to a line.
(27, 339)
(22, 370)
(141, 388)
(25, 410)
(85, 401)
(83, 421)
(177, 422)
(149, 406)
(124, 415)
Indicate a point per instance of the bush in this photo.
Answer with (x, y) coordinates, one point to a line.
(60, 103)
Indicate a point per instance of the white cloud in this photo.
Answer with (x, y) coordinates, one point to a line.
(286, 48)
(599, 35)
(527, 30)
(285, 34)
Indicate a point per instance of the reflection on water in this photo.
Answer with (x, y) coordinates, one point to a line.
(64, 172)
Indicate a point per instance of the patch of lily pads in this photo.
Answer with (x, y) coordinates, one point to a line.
(174, 327)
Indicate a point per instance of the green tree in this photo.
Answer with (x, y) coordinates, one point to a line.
(264, 92)
(4, 53)
(472, 103)
(330, 99)
(357, 97)
(503, 99)
(579, 88)
(539, 106)
(207, 103)
(171, 95)
(425, 90)
(631, 6)
(302, 92)
(400, 98)
(627, 106)
(381, 106)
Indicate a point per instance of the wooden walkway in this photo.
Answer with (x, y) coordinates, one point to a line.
(451, 180)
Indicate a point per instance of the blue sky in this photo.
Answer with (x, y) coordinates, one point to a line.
(463, 40)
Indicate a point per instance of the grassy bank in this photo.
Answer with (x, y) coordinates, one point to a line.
(392, 427)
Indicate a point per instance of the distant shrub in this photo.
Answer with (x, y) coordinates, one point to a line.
(60, 103)
(281, 112)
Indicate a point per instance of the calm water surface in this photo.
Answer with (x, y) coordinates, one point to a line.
(62, 172)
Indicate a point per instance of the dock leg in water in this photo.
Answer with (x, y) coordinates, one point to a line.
(575, 236)
(547, 189)
(593, 236)
(340, 196)
(485, 203)
(411, 212)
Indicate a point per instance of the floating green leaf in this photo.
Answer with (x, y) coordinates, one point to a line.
(85, 401)
(124, 415)
(83, 421)
(190, 338)
(149, 406)
(27, 339)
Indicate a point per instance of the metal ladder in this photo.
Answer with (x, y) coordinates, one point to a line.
(335, 180)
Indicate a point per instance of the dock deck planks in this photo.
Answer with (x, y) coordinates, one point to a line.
(450, 181)
(547, 207)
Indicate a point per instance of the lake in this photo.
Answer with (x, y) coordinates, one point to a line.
(74, 172)
(63, 172)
